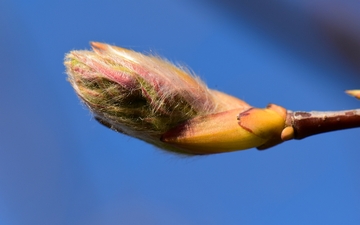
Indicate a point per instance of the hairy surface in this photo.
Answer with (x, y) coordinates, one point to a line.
(139, 95)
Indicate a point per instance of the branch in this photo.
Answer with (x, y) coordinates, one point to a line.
(306, 124)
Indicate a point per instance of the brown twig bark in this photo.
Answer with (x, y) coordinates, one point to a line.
(306, 124)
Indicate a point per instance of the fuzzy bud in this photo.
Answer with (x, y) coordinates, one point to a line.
(142, 96)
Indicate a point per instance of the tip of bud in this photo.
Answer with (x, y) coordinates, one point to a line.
(97, 46)
(354, 93)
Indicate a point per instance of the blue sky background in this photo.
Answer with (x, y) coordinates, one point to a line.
(59, 166)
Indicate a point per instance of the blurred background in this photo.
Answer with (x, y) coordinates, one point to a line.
(59, 166)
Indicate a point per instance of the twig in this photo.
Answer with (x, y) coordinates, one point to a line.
(306, 124)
